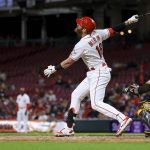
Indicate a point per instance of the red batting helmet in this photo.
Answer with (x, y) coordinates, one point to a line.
(87, 23)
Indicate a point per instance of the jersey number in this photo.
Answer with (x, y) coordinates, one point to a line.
(99, 49)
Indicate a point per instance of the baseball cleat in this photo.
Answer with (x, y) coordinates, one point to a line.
(65, 132)
(123, 125)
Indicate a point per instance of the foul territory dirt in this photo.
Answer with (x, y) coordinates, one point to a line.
(76, 138)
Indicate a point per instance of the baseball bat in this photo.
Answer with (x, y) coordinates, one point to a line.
(143, 15)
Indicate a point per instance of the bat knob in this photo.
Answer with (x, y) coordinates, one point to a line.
(137, 17)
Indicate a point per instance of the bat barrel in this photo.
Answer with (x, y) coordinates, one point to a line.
(140, 16)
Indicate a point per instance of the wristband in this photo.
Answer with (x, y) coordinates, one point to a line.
(119, 27)
(58, 67)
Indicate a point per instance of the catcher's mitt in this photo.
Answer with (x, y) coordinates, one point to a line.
(132, 89)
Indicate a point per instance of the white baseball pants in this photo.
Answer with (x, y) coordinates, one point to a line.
(95, 85)
(21, 117)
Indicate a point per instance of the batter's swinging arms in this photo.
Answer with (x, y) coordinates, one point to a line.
(90, 49)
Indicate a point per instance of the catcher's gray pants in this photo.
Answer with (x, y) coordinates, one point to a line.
(145, 116)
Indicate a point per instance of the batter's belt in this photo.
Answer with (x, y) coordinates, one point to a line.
(94, 68)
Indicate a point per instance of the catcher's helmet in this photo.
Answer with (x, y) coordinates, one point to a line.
(87, 23)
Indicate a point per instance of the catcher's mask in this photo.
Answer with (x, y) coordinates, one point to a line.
(86, 23)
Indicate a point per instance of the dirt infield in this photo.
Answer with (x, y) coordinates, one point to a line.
(76, 139)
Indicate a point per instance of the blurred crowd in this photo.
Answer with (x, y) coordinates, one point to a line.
(50, 99)
(47, 105)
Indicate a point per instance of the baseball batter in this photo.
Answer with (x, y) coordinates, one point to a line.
(23, 102)
(90, 49)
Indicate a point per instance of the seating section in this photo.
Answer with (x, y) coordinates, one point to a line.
(23, 64)
(24, 68)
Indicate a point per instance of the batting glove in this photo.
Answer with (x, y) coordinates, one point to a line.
(50, 70)
(133, 19)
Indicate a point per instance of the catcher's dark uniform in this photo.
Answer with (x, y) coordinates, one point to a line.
(144, 108)
(144, 113)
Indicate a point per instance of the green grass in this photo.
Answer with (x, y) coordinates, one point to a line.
(26, 145)
(72, 146)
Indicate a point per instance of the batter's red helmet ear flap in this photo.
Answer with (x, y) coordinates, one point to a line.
(79, 21)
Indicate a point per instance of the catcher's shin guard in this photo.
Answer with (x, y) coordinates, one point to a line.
(147, 134)
(145, 116)
(70, 120)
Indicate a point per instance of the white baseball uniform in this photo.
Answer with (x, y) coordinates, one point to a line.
(90, 49)
(22, 101)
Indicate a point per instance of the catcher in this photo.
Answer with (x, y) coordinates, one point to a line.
(144, 108)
